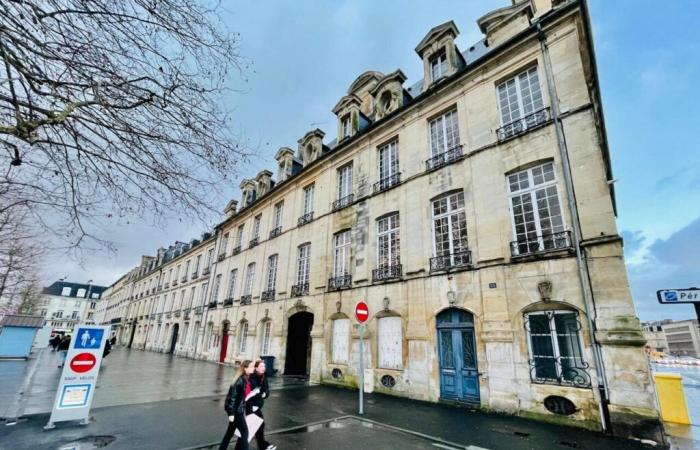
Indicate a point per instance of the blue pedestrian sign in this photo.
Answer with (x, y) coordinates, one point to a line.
(88, 338)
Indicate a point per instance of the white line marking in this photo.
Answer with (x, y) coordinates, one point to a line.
(82, 363)
(445, 446)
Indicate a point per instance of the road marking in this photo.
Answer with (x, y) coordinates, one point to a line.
(445, 446)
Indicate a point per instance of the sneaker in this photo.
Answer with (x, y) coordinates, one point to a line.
(271, 447)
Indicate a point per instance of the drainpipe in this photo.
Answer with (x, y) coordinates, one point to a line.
(584, 278)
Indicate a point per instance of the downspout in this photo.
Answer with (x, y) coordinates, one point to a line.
(584, 279)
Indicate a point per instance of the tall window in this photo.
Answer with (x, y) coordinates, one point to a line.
(74, 315)
(266, 337)
(341, 338)
(271, 272)
(388, 241)
(444, 133)
(256, 226)
(224, 244)
(341, 255)
(217, 286)
(205, 287)
(197, 264)
(243, 337)
(555, 348)
(232, 277)
(438, 65)
(181, 303)
(239, 236)
(345, 126)
(537, 216)
(279, 210)
(187, 269)
(389, 341)
(303, 263)
(210, 256)
(309, 199)
(249, 278)
(388, 161)
(519, 96)
(450, 225)
(344, 187)
(192, 293)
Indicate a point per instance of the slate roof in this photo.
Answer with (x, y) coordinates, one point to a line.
(22, 321)
(57, 287)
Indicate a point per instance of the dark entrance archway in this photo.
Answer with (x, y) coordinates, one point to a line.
(298, 355)
(459, 375)
(133, 332)
(173, 341)
(224, 342)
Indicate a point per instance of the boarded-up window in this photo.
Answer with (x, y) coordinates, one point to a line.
(389, 341)
(341, 337)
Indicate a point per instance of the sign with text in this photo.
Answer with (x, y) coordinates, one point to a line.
(690, 295)
(76, 387)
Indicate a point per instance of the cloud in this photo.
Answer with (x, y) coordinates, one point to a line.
(634, 241)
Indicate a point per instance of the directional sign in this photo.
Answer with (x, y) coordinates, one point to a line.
(83, 362)
(691, 295)
(361, 312)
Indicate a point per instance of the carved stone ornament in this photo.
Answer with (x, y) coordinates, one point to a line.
(451, 297)
(338, 305)
(386, 303)
(244, 314)
(300, 305)
(267, 313)
(545, 289)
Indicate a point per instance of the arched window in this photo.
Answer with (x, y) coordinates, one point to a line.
(340, 341)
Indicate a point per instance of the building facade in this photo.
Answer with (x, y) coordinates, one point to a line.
(656, 336)
(64, 304)
(473, 211)
(683, 338)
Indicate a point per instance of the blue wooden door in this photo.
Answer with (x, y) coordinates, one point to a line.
(459, 376)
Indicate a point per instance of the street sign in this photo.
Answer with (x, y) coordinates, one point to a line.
(361, 312)
(76, 387)
(83, 362)
(690, 295)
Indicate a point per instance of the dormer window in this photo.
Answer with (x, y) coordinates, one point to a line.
(346, 126)
(385, 101)
(438, 65)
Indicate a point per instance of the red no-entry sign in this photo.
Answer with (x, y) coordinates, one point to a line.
(361, 312)
(82, 362)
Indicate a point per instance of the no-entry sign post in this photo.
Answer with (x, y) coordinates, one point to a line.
(362, 314)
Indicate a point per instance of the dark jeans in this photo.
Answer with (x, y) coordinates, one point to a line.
(240, 423)
(260, 434)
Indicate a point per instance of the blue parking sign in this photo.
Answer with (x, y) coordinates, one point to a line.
(90, 338)
(671, 296)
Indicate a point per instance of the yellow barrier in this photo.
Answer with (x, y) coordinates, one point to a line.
(669, 388)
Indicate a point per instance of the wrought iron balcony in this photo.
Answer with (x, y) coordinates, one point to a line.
(451, 261)
(160, 288)
(228, 302)
(541, 244)
(174, 282)
(275, 232)
(206, 271)
(443, 158)
(212, 305)
(523, 125)
(253, 242)
(246, 299)
(343, 202)
(387, 183)
(236, 250)
(341, 282)
(383, 273)
(300, 289)
(186, 314)
(152, 316)
(167, 316)
(183, 279)
(267, 296)
(198, 311)
(166, 285)
(221, 256)
(177, 313)
(306, 218)
(160, 318)
(195, 275)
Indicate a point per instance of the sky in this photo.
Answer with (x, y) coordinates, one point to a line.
(305, 55)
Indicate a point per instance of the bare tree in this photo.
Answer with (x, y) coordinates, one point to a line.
(114, 109)
(19, 259)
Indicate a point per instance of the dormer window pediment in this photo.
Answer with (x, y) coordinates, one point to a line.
(311, 146)
(388, 94)
(440, 55)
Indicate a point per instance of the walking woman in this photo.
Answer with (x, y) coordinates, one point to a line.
(259, 381)
(236, 408)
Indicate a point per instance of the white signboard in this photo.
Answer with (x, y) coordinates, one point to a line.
(691, 295)
(76, 386)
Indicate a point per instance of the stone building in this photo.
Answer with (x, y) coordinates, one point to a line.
(473, 211)
(655, 335)
(63, 304)
(683, 338)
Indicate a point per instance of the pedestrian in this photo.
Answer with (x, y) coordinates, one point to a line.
(259, 380)
(235, 406)
(113, 339)
(63, 349)
(55, 340)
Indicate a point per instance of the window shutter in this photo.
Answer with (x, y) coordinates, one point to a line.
(390, 340)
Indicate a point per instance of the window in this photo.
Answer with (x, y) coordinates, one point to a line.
(224, 244)
(187, 269)
(444, 133)
(205, 287)
(388, 162)
(279, 210)
(309, 199)
(271, 272)
(449, 225)
(210, 256)
(190, 302)
(81, 293)
(94, 295)
(537, 218)
(303, 264)
(438, 65)
(217, 286)
(555, 348)
(90, 316)
(389, 342)
(197, 263)
(74, 315)
(58, 314)
(256, 226)
(93, 305)
(267, 337)
(66, 292)
(341, 255)
(243, 337)
(232, 279)
(519, 96)
(344, 180)
(239, 236)
(250, 277)
(341, 338)
(345, 127)
(388, 241)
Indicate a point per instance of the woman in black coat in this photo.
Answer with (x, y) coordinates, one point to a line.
(235, 406)
(259, 381)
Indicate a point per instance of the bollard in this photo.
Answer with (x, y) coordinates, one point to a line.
(669, 388)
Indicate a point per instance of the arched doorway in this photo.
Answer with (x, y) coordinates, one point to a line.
(224, 342)
(173, 341)
(298, 355)
(459, 375)
(131, 336)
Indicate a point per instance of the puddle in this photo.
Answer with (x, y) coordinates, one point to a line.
(88, 443)
(335, 424)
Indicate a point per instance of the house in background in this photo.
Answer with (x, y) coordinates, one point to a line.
(65, 304)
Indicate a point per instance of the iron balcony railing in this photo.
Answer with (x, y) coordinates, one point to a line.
(383, 273)
(206, 271)
(212, 305)
(340, 282)
(160, 318)
(444, 158)
(177, 313)
(306, 218)
(174, 282)
(300, 289)
(387, 183)
(195, 275)
(343, 202)
(198, 311)
(221, 256)
(166, 285)
(183, 279)
(246, 299)
(539, 244)
(450, 261)
(159, 288)
(236, 250)
(267, 296)
(186, 315)
(523, 125)
(275, 232)
(167, 316)
(253, 242)
(228, 302)
(152, 316)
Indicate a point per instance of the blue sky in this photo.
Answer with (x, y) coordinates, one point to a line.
(305, 55)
